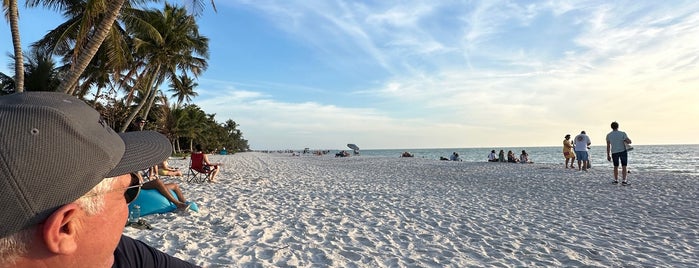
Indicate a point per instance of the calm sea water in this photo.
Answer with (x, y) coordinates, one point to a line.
(666, 158)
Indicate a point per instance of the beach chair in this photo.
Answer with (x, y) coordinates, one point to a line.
(197, 172)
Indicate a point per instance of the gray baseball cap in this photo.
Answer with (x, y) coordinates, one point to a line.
(54, 148)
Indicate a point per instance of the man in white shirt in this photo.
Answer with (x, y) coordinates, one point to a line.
(582, 141)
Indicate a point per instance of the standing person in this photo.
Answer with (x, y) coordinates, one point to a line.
(568, 151)
(616, 151)
(582, 141)
(66, 185)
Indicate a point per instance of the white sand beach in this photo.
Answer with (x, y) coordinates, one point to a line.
(276, 210)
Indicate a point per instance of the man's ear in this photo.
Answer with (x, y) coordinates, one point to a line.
(60, 230)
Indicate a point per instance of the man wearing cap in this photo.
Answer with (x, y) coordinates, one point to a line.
(65, 183)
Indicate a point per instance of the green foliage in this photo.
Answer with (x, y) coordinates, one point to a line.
(141, 51)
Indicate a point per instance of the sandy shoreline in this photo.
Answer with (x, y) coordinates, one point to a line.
(277, 210)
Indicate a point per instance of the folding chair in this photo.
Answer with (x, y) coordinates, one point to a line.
(197, 172)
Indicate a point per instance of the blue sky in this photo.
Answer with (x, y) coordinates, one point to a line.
(433, 74)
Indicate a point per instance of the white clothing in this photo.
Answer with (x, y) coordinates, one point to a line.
(581, 142)
(523, 158)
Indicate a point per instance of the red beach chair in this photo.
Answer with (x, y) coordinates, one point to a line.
(198, 171)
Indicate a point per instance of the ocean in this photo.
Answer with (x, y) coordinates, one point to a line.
(682, 159)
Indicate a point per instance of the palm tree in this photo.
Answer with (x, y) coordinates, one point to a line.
(66, 40)
(98, 20)
(192, 124)
(40, 71)
(183, 86)
(12, 14)
(7, 84)
(167, 42)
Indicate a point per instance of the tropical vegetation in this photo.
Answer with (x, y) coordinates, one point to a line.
(116, 57)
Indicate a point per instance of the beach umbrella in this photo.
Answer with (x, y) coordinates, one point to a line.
(353, 146)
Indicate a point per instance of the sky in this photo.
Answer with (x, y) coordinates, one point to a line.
(443, 74)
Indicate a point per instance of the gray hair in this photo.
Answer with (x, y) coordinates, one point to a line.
(17, 244)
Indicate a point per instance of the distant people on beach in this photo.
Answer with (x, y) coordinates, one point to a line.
(406, 154)
(568, 151)
(582, 143)
(492, 157)
(501, 156)
(455, 157)
(511, 157)
(617, 142)
(342, 153)
(524, 158)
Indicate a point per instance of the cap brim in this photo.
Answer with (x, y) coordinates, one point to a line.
(144, 149)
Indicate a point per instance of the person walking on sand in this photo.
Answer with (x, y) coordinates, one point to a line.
(582, 141)
(568, 151)
(616, 152)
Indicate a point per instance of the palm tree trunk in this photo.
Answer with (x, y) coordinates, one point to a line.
(151, 100)
(93, 44)
(17, 45)
(138, 108)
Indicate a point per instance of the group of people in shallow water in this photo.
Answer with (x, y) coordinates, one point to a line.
(511, 158)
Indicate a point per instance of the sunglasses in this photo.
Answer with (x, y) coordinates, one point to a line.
(131, 192)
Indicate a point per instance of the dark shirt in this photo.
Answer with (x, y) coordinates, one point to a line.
(134, 253)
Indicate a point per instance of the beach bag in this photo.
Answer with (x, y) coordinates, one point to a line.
(628, 147)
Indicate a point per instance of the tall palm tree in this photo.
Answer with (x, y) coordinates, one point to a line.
(99, 19)
(67, 40)
(167, 42)
(12, 15)
(183, 86)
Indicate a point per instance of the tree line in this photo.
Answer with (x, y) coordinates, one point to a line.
(116, 56)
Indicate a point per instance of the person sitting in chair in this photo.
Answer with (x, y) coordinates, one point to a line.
(166, 170)
(208, 166)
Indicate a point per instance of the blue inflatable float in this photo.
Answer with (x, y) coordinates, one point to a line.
(151, 201)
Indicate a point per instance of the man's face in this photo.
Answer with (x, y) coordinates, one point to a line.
(103, 230)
